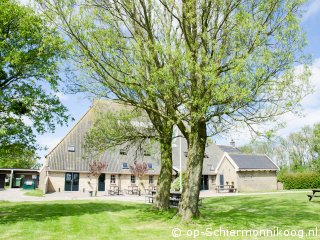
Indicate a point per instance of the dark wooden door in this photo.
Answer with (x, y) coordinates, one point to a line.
(101, 182)
(2, 180)
(204, 182)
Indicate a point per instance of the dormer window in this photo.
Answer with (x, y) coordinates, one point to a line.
(125, 165)
(210, 166)
(123, 151)
(150, 166)
(71, 149)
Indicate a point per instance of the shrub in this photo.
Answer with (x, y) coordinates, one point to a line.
(175, 185)
(304, 180)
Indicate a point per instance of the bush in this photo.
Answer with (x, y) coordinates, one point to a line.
(175, 185)
(304, 180)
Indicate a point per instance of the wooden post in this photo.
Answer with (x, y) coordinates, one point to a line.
(11, 177)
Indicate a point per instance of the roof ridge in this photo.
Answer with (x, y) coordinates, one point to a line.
(250, 154)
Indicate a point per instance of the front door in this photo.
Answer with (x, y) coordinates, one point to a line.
(2, 180)
(204, 182)
(221, 180)
(101, 183)
(71, 182)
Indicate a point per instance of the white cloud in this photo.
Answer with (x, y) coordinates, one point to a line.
(48, 140)
(311, 113)
(312, 9)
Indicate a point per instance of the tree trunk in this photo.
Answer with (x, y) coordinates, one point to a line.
(188, 207)
(97, 182)
(164, 181)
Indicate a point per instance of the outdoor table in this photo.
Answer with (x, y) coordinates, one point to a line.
(228, 188)
(314, 191)
(114, 190)
(133, 190)
(175, 198)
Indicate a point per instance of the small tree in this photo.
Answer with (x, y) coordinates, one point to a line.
(139, 169)
(95, 169)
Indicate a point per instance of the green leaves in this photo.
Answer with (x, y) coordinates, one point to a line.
(29, 55)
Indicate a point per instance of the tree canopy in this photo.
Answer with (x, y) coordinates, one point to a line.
(204, 65)
(29, 54)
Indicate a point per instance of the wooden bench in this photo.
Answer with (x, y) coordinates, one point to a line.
(314, 191)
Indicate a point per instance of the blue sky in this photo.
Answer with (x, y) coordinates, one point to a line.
(78, 104)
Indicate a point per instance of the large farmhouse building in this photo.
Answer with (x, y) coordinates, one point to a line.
(66, 169)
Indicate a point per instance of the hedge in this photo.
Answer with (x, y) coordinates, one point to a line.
(305, 180)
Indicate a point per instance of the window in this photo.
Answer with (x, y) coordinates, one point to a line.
(71, 149)
(125, 165)
(112, 179)
(133, 179)
(150, 166)
(211, 168)
(186, 154)
(146, 153)
(150, 179)
(123, 151)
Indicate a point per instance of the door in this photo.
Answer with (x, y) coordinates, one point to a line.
(101, 183)
(71, 182)
(221, 180)
(2, 180)
(204, 182)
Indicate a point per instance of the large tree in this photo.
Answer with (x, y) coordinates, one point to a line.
(204, 65)
(29, 55)
(127, 73)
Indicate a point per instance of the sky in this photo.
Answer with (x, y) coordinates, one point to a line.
(78, 104)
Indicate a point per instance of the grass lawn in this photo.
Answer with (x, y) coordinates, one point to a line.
(121, 220)
(33, 193)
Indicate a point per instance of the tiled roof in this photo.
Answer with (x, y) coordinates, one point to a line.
(251, 161)
(60, 159)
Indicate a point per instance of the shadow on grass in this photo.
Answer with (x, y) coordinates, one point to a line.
(17, 212)
(235, 212)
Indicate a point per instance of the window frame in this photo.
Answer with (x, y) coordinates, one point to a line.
(112, 179)
(127, 165)
(151, 179)
(133, 179)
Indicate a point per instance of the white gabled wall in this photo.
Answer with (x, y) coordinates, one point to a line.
(227, 169)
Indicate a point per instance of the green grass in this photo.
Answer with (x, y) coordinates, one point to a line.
(120, 220)
(33, 193)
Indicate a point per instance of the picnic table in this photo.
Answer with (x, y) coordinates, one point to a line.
(314, 191)
(149, 197)
(133, 189)
(225, 188)
(114, 190)
(174, 199)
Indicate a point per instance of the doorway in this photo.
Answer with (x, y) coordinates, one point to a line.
(71, 182)
(2, 180)
(204, 182)
(221, 180)
(101, 183)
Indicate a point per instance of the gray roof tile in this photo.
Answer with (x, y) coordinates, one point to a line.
(250, 161)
